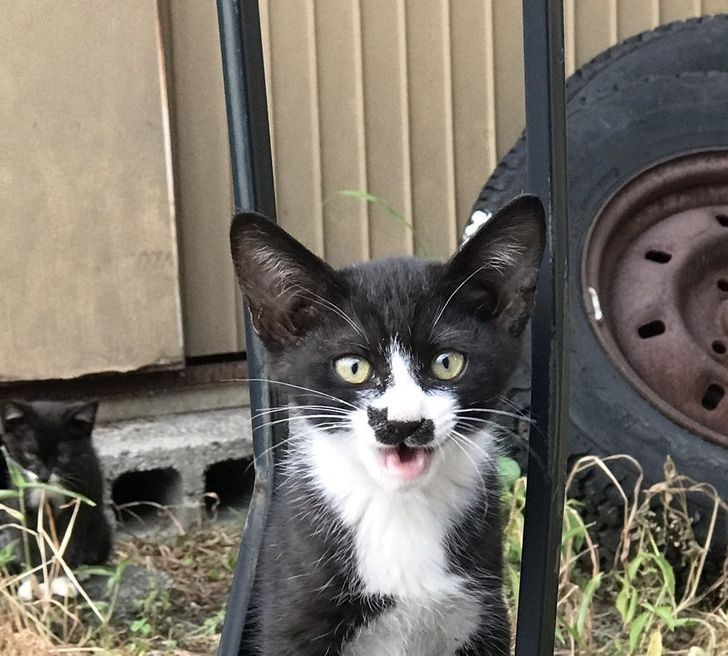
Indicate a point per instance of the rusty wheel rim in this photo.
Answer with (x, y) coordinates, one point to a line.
(655, 281)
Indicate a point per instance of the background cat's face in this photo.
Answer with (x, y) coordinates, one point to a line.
(400, 359)
(46, 437)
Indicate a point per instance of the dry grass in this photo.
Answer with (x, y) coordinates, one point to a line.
(183, 619)
(659, 597)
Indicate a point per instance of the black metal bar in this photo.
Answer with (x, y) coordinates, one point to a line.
(546, 144)
(250, 154)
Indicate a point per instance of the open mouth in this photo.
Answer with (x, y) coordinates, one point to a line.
(404, 462)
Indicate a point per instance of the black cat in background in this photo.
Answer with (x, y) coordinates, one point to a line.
(51, 442)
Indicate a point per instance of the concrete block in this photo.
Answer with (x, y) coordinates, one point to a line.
(173, 461)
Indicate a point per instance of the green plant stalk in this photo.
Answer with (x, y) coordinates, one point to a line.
(395, 214)
(18, 481)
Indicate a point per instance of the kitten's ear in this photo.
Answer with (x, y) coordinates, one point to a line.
(13, 414)
(285, 286)
(495, 271)
(83, 416)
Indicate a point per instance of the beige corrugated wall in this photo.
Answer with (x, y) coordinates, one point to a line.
(413, 101)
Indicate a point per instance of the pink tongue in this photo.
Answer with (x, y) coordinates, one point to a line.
(405, 463)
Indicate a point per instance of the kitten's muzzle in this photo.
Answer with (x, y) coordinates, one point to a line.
(394, 433)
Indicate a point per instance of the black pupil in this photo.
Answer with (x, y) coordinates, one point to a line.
(354, 367)
(445, 362)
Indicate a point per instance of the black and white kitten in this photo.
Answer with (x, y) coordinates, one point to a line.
(384, 536)
(51, 442)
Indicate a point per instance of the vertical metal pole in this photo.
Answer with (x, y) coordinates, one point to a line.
(247, 114)
(546, 144)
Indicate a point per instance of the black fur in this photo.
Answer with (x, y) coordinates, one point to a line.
(54, 438)
(308, 600)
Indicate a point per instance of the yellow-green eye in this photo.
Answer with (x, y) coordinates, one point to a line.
(447, 365)
(353, 369)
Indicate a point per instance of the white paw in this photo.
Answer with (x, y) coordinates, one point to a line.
(25, 591)
(62, 587)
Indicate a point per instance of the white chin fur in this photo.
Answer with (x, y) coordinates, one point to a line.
(360, 445)
(399, 530)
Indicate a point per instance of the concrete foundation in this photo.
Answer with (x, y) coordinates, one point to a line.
(172, 468)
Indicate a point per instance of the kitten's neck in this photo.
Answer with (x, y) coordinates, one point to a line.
(399, 535)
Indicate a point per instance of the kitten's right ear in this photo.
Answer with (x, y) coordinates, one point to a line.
(285, 285)
(496, 269)
(83, 415)
(13, 414)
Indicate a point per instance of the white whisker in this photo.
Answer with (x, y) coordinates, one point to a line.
(457, 289)
(298, 387)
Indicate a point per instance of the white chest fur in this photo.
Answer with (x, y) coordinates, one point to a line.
(400, 544)
(436, 628)
(399, 534)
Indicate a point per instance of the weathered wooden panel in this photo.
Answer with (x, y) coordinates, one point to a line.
(714, 7)
(294, 112)
(672, 10)
(89, 271)
(341, 111)
(429, 74)
(386, 106)
(595, 27)
(508, 73)
(634, 17)
(473, 100)
(202, 177)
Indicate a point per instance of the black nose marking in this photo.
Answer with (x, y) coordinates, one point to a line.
(394, 433)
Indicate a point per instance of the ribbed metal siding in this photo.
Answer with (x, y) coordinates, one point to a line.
(411, 100)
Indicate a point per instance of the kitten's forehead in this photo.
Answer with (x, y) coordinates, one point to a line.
(45, 418)
(46, 411)
(398, 292)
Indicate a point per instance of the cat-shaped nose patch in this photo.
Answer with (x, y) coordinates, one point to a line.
(394, 433)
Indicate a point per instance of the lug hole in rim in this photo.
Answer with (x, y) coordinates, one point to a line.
(651, 329)
(723, 284)
(713, 396)
(661, 257)
(722, 219)
(719, 347)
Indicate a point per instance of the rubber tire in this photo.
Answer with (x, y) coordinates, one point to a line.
(695, 45)
(612, 138)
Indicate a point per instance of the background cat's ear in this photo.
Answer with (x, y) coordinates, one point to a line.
(12, 415)
(495, 271)
(82, 417)
(285, 286)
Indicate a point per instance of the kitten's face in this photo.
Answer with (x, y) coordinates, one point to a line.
(395, 362)
(46, 437)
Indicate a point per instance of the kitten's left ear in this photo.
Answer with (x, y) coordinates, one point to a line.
(287, 287)
(12, 414)
(83, 416)
(494, 273)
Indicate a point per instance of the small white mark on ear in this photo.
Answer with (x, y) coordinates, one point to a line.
(12, 412)
(478, 219)
(86, 413)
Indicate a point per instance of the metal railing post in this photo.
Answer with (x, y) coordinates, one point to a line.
(253, 189)
(546, 146)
